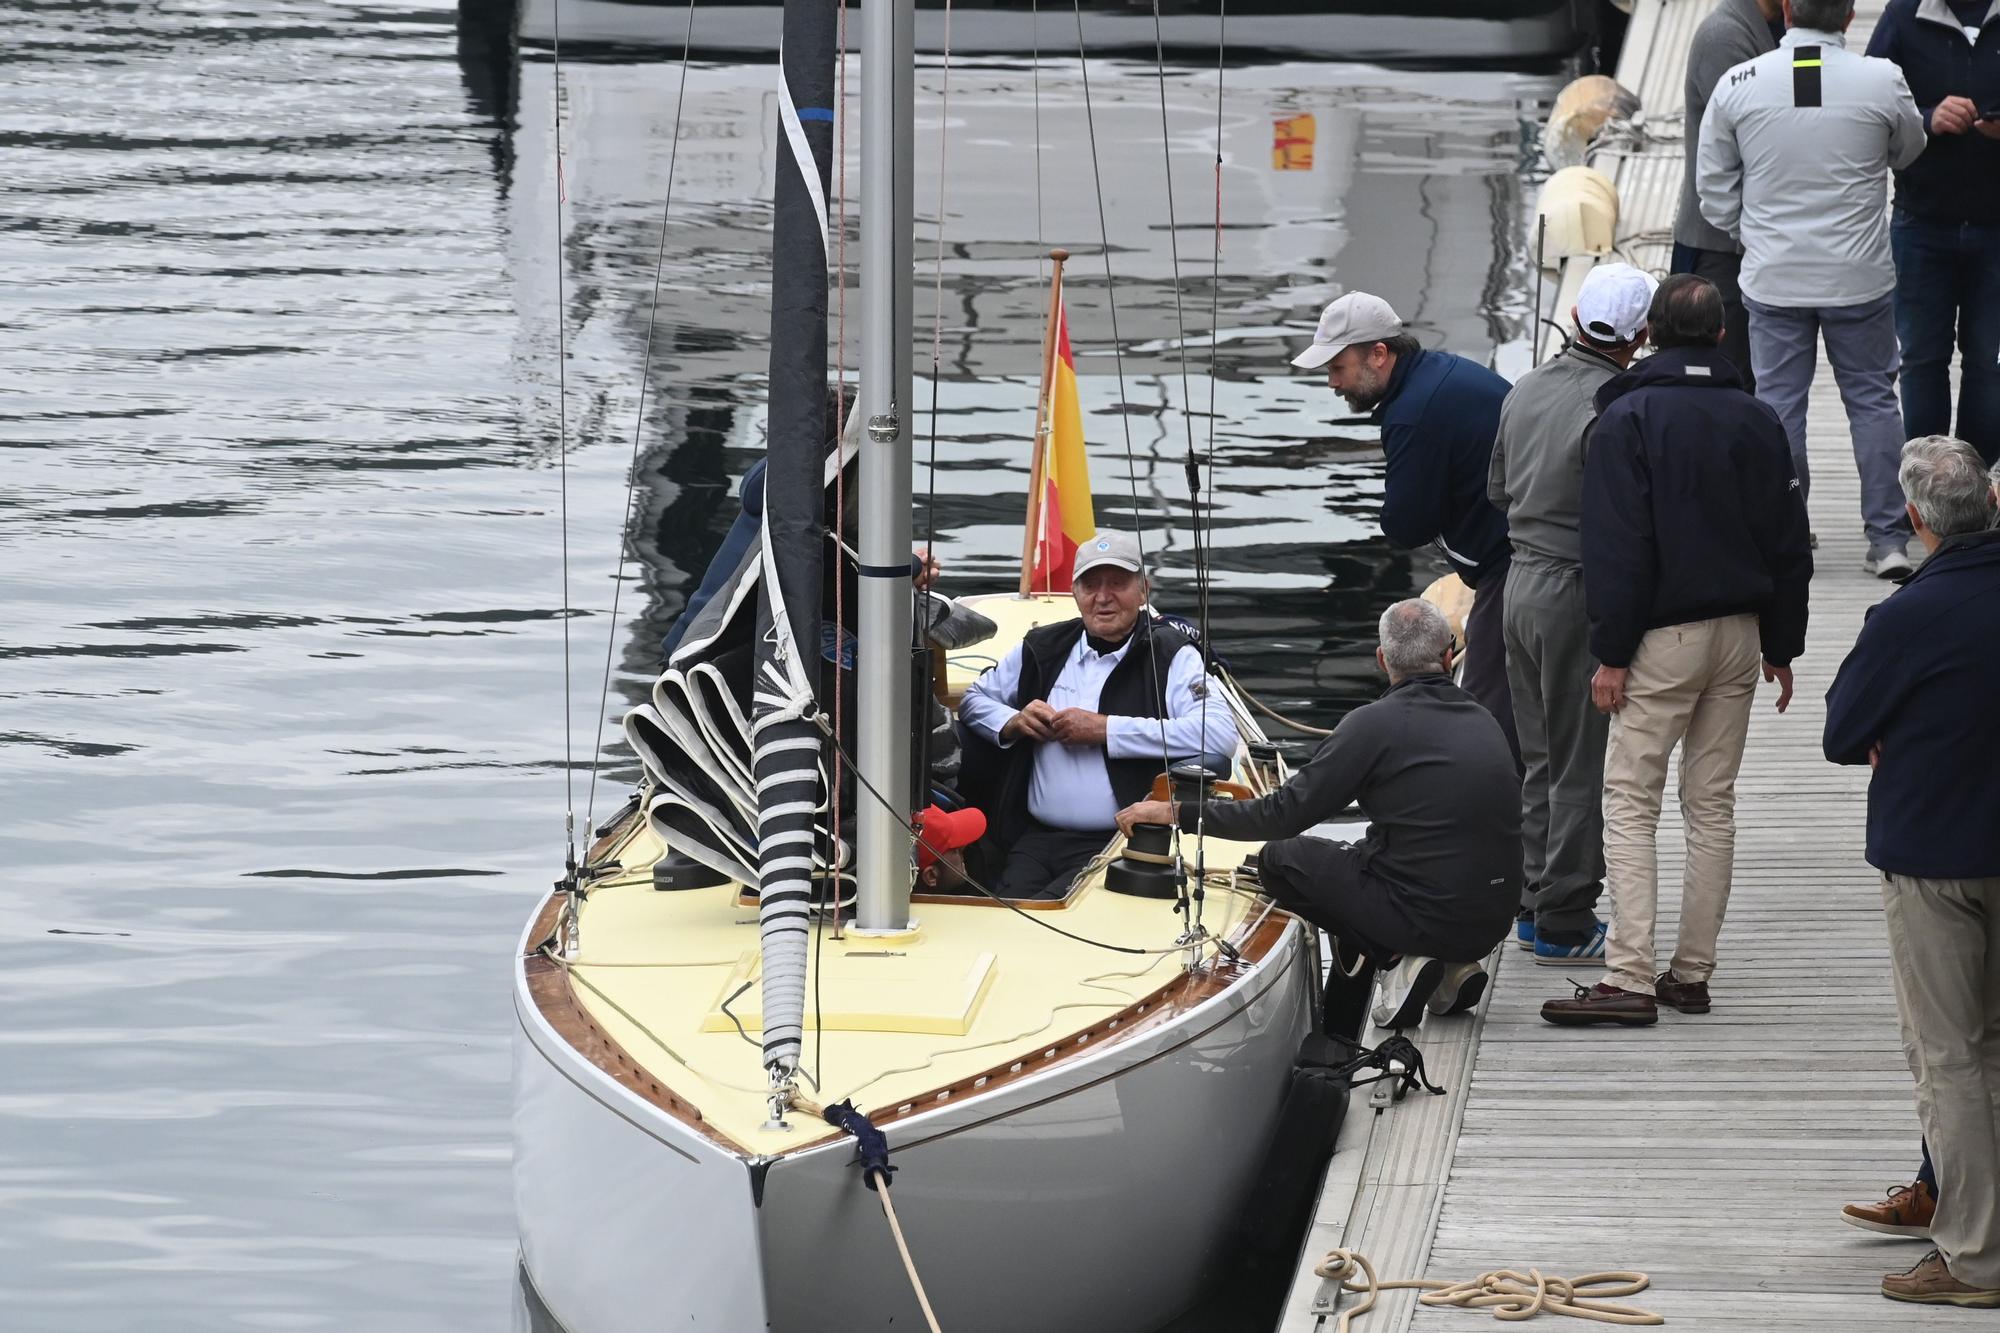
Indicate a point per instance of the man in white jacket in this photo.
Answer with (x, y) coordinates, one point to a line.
(1794, 162)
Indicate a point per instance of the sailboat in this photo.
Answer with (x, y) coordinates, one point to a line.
(738, 984)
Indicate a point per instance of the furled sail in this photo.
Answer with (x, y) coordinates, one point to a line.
(785, 764)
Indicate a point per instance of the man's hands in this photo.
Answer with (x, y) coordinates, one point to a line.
(1607, 688)
(1989, 128)
(1036, 722)
(1955, 115)
(1783, 675)
(1069, 726)
(1147, 812)
(927, 569)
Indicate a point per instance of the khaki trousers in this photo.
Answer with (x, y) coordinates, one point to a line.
(1944, 940)
(1689, 685)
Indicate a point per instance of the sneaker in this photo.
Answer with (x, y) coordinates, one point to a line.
(1931, 1283)
(1690, 997)
(1550, 954)
(1401, 991)
(1889, 564)
(1906, 1212)
(1524, 930)
(1602, 1004)
(1458, 991)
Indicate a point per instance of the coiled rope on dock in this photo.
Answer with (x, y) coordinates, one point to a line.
(1511, 1296)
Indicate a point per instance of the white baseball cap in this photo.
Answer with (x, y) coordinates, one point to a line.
(1355, 318)
(1611, 305)
(1107, 548)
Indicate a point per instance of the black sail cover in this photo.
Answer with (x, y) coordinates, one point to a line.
(786, 741)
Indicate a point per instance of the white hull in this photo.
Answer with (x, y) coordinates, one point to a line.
(1094, 1195)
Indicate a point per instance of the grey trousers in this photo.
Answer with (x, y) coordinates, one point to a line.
(1944, 941)
(1861, 345)
(1562, 743)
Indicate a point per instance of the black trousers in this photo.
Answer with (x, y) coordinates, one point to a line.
(1724, 268)
(1484, 676)
(1044, 860)
(1322, 881)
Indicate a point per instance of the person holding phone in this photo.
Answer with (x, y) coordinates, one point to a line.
(1945, 230)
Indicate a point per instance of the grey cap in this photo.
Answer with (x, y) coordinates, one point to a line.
(1355, 318)
(1107, 548)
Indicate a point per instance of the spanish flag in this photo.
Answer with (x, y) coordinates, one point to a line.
(1066, 520)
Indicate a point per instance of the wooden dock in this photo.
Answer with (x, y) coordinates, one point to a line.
(1712, 1152)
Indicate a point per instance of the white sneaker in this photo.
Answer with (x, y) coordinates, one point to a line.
(1400, 991)
(1889, 564)
(1459, 990)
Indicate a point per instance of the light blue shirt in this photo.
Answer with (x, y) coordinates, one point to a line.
(1070, 787)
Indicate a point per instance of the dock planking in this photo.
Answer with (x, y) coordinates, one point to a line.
(1712, 1152)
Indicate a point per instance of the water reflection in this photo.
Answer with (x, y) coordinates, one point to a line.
(283, 751)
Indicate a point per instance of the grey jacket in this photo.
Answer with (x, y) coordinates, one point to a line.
(1806, 188)
(1537, 475)
(1735, 31)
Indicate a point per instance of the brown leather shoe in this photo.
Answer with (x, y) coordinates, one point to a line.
(1690, 997)
(1931, 1283)
(1602, 1004)
(1906, 1212)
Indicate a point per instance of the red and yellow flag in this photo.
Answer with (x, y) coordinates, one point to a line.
(1066, 520)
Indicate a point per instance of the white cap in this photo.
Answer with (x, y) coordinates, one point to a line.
(1611, 305)
(1107, 548)
(1355, 318)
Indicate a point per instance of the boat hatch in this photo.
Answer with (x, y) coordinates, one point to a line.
(885, 991)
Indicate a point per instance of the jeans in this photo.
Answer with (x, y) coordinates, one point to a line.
(1723, 268)
(1948, 290)
(1861, 344)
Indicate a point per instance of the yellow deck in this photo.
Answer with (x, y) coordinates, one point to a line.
(973, 989)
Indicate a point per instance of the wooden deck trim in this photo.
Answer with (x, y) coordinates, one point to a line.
(556, 1000)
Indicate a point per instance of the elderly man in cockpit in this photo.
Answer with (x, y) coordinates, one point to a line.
(1075, 723)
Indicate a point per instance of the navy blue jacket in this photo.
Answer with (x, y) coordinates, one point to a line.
(1691, 509)
(1439, 419)
(1957, 179)
(1920, 682)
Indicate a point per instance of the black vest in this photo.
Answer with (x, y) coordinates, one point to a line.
(996, 780)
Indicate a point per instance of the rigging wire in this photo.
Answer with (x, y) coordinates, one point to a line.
(918, 621)
(639, 417)
(562, 436)
(1118, 354)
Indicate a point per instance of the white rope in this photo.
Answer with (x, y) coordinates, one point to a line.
(903, 1248)
(1511, 1296)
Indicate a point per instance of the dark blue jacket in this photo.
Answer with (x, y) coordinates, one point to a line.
(1691, 509)
(1920, 682)
(1439, 419)
(1957, 179)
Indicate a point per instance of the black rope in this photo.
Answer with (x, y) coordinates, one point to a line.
(1394, 1050)
(916, 832)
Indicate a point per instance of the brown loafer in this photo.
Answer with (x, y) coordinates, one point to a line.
(1931, 1283)
(1690, 997)
(1906, 1212)
(1602, 1004)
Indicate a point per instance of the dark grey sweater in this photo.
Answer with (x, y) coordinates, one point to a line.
(1431, 770)
(1536, 478)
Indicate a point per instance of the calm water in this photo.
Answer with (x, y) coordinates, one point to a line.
(282, 743)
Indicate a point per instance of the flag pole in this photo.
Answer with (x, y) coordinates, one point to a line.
(1038, 459)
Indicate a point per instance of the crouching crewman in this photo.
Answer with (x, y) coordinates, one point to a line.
(1433, 886)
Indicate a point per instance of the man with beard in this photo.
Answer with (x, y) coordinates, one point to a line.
(1439, 415)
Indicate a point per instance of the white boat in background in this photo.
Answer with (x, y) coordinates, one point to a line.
(1078, 1093)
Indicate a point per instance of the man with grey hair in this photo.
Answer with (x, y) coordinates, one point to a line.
(1794, 162)
(1911, 701)
(1432, 887)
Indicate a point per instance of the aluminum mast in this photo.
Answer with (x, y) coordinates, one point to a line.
(888, 169)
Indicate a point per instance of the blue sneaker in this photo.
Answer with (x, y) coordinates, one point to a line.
(1554, 955)
(1524, 930)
